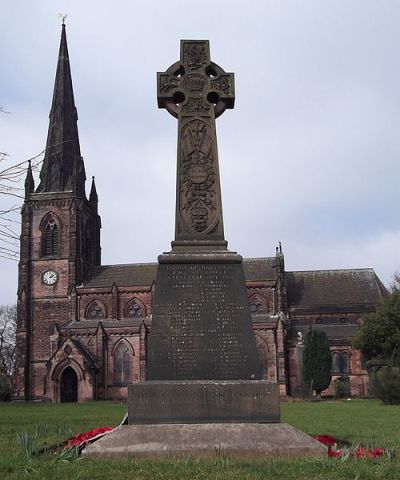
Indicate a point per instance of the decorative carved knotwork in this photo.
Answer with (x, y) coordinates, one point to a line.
(196, 91)
(95, 310)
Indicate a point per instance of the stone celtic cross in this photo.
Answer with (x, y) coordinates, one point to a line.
(196, 91)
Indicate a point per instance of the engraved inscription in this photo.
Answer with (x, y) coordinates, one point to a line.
(203, 334)
(201, 401)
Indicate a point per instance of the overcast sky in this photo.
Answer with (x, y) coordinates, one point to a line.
(310, 156)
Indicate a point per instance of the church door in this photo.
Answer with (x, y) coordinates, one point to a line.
(69, 386)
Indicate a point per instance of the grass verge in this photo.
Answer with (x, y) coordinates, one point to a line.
(357, 421)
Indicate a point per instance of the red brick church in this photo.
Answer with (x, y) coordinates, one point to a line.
(83, 326)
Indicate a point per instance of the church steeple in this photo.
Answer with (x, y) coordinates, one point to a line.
(63, 168)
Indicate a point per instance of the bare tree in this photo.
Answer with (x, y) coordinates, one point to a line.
(11, 194)
(395, 283)
(10, 187)
(8, 328)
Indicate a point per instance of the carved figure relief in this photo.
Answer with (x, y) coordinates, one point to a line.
(197, 183)
(195, 55)
(223, 83)
(168, 83)
(196, 106)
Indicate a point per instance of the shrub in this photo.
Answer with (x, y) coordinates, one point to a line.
(5, 388)
(386, 384)
(342, 387)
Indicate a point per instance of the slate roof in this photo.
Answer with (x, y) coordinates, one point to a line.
(259, 268)
(135, 274)
(327, 290)
(141, 274)
(337, 334)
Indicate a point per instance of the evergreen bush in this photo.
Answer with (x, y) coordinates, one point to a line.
(317, 360)
(342, 387)
(386, 384)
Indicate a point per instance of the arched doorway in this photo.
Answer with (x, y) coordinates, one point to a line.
(68, 386)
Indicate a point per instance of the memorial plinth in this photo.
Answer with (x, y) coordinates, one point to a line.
(200, 401)
(201, 327)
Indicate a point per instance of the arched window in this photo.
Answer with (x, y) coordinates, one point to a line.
(345, 362)
(135, 308)
(122, 364)
(335, 362)
(96, 310)
(51, 239)
(340, 363)
(258, 304)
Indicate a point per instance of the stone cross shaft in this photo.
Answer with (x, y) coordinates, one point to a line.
(196, 91)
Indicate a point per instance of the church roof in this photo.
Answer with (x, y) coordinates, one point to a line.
(328, 290)
(141, 274)
(135, 274)
(259, 268)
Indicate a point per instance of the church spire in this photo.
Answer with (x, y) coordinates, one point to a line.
(63, 168)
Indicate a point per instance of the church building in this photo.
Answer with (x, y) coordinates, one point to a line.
(83, 327)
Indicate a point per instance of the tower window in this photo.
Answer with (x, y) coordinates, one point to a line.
(51, 239)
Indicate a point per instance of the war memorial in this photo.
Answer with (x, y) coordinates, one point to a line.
(86, 330)
(204, 394)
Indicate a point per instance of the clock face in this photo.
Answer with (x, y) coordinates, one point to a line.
(50, 277)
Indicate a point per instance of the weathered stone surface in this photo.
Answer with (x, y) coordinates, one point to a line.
(245, 440)
(202, 325)
(203, 401)
(196, 91)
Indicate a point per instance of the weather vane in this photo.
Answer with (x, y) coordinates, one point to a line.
(63, 16)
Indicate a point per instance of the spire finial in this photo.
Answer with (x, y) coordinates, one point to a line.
(93, 198)
(29, 182)
(63, 16)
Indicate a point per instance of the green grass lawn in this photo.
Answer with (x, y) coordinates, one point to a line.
(357, 421)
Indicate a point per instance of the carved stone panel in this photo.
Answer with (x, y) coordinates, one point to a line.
(198, 189)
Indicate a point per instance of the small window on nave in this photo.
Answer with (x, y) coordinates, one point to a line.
(335, 362)
(95, 310)
(135, 308)
(340, 363)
